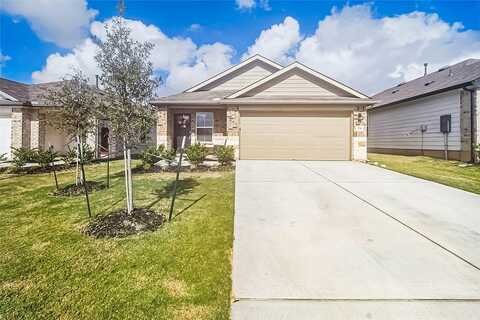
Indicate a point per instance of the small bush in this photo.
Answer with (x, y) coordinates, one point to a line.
(477, 150)
(88, 153)
(3, 157)
(70, 155)
(45, 157)
(225, 154)
(169, 155)
(196, 153)
(21, 156)
(152, 155)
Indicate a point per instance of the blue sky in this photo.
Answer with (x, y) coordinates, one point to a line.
(28, 36)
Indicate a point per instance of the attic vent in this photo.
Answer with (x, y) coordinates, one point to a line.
(443, 68)
(429, 83)
(394, 91)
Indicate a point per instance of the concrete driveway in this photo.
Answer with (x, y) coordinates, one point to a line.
(345, 240)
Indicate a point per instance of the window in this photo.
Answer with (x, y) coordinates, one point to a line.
(204, 126)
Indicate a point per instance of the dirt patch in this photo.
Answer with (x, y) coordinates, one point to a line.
(75, 190)
(175, 288)
(120, 224)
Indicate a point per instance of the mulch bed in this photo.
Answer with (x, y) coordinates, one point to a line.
(199, 168)
(120, 224)
(75, 190)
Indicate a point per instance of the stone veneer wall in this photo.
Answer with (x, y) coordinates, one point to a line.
(37, 130)
(359, 139)
(21, 128)
(233, 129)
(162, 127)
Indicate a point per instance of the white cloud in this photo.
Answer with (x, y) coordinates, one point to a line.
(372, 54)
(245, 4)
(58, 66)
(250, 4)
(194, 27)
(350, 44)
(4, 58)
(279, 42)
(180, 58)
(63, 22)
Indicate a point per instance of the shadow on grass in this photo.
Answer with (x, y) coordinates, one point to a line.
(184, 187)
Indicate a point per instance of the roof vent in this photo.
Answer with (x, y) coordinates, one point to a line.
(395, 91)
(443, 68)
(429, 83)
(401, 84)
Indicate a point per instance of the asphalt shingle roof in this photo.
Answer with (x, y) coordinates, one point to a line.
(457, 75)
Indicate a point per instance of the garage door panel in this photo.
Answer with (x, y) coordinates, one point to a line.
(311, 136)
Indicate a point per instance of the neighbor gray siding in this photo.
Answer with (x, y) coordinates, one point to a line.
(398, 126)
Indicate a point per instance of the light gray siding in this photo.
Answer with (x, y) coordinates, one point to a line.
(296, 85)
(398, 126)
(243, 78)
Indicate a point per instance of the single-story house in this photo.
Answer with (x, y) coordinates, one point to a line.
(24, 121)
(435, 115)
(269, 111)
(263, 109)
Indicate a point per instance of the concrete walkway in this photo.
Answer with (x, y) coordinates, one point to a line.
(338, 240)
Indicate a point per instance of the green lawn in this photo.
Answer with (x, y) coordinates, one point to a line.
(450, 173)
(50, 270)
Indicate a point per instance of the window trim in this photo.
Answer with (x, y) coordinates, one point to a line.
(202, 127)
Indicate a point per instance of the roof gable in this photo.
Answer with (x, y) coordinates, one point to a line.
(240, 75)
(298, 80)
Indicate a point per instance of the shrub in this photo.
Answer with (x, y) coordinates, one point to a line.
(477, 150)
(69, 156)
(20, 156)
(169, 155)
(88, 153)
(3, 157)
(225, 154)
(196, 153)
(152, 155)
(45, 157)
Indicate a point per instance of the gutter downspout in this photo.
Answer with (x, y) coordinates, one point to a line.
(472, 122)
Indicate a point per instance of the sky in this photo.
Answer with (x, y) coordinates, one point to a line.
(367, 45)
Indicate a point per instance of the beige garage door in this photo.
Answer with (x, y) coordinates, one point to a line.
(299, 135)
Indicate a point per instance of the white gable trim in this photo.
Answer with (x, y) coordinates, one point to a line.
(7, 96)
(252, 59)
(297, 65)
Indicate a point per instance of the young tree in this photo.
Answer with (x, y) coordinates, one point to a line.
(76, 116)
(128, 85)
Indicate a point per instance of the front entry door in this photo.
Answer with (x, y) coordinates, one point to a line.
(178, 131)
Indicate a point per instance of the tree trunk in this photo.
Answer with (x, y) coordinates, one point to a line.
(127, 192)
(84, 179)
(130, 187)
(77, 170)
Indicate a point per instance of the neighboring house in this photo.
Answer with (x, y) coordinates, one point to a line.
(23, 119)
(268, 111)
(406, 120)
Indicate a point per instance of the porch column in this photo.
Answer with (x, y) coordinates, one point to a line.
(20, 128)
(162, 127)
(233, 129)
(359, 139)
(37, 130)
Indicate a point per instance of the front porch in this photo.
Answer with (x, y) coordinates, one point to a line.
(209, 125)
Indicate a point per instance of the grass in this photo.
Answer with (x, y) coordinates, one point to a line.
(451, 173)
(50, 270)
